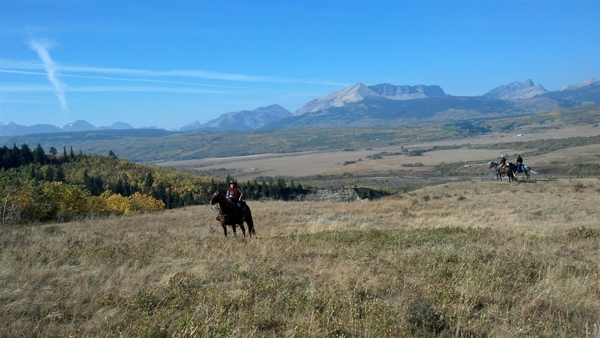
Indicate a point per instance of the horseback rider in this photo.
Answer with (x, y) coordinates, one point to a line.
(519, 163)
(235, 194)
(502, 163)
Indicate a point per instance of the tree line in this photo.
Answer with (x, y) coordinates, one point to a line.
(36, 186)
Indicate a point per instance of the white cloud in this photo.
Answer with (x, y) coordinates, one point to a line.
(141, 73)
(22, 88)
(41, 48)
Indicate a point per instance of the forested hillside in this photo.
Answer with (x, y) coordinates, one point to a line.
(40, 187)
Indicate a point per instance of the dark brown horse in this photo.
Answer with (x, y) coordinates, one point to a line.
(508, 170)
(229, 214)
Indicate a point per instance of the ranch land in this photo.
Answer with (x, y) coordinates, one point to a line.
(463, 259)
(395, 165)
(450, 253)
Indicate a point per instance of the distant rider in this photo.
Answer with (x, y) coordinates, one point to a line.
(519, 163)
(502, 162)
(235, 194)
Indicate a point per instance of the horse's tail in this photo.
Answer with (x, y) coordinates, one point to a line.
(250, 221)
(533, 172)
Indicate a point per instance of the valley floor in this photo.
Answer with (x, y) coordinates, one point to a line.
(356, 166)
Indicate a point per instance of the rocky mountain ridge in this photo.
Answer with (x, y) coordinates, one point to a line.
(381, 104)
(361, 105)
(516, 90)
(360, 91)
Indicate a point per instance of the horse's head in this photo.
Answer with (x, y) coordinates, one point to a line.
(493, 164)
(215, 197)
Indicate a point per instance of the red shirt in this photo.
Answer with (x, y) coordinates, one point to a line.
(235, 193)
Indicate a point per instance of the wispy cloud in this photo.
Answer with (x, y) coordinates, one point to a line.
(41, 48)
(26, 72)
(20, 88)
(141, 73)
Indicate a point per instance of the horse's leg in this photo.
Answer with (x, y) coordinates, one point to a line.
(243, 228)
(224, 229)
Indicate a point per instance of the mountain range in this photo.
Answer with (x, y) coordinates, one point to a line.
(243, 120)
(381, 104)
(80, 125)
(386, 104)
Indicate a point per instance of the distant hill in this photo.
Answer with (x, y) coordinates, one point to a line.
(150, 145)
(244, 120)
(80, 125)
(14, 129)
(117, 126)
(373, 111)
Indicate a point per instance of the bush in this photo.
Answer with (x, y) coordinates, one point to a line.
(585, 169)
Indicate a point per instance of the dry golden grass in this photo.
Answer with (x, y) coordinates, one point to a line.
(469, 259)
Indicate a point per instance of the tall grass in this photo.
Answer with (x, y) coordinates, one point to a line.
(485, 259)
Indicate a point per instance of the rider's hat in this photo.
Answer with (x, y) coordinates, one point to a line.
(501, 155)
(233, 182)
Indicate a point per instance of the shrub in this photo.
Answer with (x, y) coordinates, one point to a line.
(585, 169)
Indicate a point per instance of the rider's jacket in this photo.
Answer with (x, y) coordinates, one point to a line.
(235, 194)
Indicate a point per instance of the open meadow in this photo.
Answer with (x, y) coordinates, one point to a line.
(465, 259)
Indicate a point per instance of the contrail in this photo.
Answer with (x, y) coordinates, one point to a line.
(41, 49)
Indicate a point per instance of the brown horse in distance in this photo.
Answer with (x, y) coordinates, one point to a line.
(229, 214)
(508, 170)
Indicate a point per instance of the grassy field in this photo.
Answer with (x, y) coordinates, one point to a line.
(467, 259)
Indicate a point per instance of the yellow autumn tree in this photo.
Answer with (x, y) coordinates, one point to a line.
(141, 203)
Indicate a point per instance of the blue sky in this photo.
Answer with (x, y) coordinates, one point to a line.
(170, 63)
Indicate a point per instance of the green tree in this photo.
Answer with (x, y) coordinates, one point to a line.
(49, 173)
(26, 155)
(39, 155)
(59, 174)
(148, 181)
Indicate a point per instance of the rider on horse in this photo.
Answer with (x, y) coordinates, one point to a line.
(519, 163)
(235, 194)
(502, 163)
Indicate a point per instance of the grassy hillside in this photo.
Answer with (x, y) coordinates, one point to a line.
(584, 115)
(201, 144)
(472, 259)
